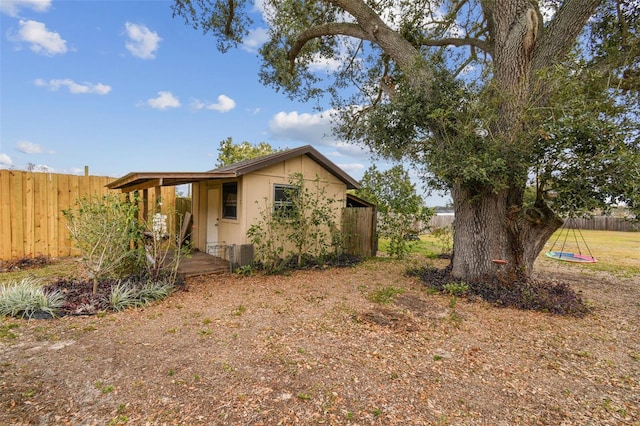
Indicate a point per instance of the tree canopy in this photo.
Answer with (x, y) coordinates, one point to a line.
(483, 97)
(229, 153)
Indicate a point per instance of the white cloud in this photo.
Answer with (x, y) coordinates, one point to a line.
(74, 88)
(5, 160)
(352, 168)
(29, 147)
(224, 104)
(325, 64)
(143, 42)
(12, 7)
(42, 40)
(303, 127)
(164, 100)
(255, 39)
(313, 129)
(353, 150)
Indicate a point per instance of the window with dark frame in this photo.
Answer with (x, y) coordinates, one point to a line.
(283, 198)
(230, 200)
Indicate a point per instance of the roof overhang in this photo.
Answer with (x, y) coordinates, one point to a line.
(136, 181)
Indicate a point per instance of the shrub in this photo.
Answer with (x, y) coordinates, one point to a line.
(299, 227)
(104, 229)
(27, 297)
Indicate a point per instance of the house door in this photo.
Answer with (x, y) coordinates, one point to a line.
(213, 215)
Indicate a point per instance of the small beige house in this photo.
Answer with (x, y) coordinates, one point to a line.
(228, 200)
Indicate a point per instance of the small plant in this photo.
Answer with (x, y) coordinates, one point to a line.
(385, 295)
(239, 310)
(244, 270)
(205, 332)
(444, 236)
(104, 388)
(153, 290)
(6, 333)
(304, 396)
(29, 393)
(27, 297)
(121, 419)
(122, 296)
(456, 288)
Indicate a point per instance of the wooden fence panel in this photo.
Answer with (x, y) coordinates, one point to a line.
(598, 223)
(31, 205)
(5, 213)
(359, 230)
(603, 223)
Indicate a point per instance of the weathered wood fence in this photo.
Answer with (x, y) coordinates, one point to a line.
(31, 204)
(359, 230)
(598, 223)
(603, 223)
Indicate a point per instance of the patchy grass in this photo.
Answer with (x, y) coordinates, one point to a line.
(385, 295)
(617, 253)
(426, 246)
(49, 270)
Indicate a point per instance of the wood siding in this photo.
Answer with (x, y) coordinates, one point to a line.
(31, 204)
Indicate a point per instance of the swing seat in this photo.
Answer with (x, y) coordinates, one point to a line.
(571, 257)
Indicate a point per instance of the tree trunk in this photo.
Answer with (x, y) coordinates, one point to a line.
(494, 238)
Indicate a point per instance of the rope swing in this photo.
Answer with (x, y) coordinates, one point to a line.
(568, 256)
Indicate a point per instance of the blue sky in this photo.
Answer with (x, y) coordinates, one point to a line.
(122, 86)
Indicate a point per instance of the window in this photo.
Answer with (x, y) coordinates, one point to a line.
(230, 200)
(283, 198)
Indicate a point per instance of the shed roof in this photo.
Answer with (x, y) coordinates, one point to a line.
(143, 180)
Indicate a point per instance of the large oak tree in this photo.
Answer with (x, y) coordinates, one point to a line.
(485, 97)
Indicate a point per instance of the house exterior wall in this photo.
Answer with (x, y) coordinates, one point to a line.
(255, 192)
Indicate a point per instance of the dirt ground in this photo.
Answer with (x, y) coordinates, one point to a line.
(313, 347)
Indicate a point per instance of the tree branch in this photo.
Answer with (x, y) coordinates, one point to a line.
(458, 42)
(330, 29)
(562, 32)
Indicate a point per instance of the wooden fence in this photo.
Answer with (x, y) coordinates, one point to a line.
(603, 223)
(598, 223)
(359, 231)
(31, 204)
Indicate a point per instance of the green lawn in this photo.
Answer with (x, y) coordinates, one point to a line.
(616, 252)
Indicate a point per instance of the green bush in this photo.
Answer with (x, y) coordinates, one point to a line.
(27, 297)
(104, 230)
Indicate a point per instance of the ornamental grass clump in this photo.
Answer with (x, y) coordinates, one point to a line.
(25, 298)
(122, 296)
(128, 294)
(153, 290)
